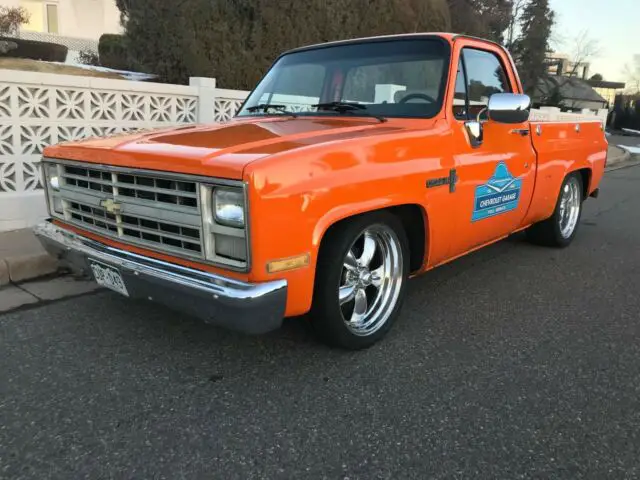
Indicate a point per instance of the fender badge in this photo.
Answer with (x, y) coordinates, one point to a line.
(437, 182)
(451, 180)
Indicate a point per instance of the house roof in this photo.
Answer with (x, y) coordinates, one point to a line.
(606, 84)
(570, 88)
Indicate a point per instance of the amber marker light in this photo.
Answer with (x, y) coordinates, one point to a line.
(291, 263)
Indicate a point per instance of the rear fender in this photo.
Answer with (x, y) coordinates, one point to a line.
(563, 148)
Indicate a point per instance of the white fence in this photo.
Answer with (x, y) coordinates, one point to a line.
(554, 114)
(38, 109)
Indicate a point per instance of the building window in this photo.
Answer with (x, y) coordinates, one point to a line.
(43, 16)
(52, 17)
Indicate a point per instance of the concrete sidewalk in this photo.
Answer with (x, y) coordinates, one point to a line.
(24, 267)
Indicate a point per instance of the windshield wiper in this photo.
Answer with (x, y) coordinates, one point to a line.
(345, 107)
(265, 107)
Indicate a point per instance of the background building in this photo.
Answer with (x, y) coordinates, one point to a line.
(607, 90)
(571, 85)
(78, 24)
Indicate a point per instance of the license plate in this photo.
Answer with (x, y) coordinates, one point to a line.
(108, 277)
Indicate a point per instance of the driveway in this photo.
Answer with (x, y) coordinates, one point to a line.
(515, 362)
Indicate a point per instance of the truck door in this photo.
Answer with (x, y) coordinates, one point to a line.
(495, 175)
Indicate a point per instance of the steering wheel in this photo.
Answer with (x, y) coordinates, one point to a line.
(422, 96)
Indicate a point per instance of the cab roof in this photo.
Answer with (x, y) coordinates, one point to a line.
(447, 36)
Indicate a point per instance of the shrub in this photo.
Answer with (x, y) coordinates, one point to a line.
(6, 47)
(51, 52)
(88, 57)
(113, 52)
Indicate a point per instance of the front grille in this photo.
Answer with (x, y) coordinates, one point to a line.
(158, 212)
(143, 187)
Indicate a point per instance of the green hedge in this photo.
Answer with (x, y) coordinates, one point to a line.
(51, 52)
(113, 52)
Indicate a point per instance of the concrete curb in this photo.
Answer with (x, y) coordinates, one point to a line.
(633, 161)
(28, 267)
(4, 273)
(23, 258)
(617, 155)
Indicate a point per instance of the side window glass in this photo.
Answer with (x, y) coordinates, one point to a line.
(460, 94)
(485, 77)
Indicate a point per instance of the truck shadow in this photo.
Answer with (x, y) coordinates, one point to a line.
(297, 332)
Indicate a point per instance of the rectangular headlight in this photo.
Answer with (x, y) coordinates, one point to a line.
(225, 224)
(228, 207)
(51, 179)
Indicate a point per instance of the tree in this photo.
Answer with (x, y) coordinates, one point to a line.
(531, 47)
(481, 18)
(236, 40)
(496, 15)
(585, 48)
(514, 19)
(632, 73)
(11, 18)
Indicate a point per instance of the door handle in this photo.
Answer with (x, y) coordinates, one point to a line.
(523, 132)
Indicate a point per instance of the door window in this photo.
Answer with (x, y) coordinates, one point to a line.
(460, 94)
(482, 76)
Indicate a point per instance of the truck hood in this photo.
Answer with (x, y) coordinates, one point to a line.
(221, 150)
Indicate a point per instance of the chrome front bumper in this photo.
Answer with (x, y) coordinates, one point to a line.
(250, 308)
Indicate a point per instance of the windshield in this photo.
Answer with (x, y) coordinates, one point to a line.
(392, 78)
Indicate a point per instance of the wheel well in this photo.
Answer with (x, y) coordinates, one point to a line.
(413, 219)
(585, 174)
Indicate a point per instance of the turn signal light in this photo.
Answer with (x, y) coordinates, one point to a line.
(290, 263)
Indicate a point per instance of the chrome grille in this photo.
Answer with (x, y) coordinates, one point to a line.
(157, 212)
(143, 187)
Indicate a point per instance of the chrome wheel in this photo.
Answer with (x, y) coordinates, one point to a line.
(570, 204)
(371, 280)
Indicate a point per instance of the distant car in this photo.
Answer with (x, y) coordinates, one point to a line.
(351, 167)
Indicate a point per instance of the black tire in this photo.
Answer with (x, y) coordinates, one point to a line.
(327, 315)
(548, 232)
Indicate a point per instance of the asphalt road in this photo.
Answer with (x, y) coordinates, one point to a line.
(515, 362)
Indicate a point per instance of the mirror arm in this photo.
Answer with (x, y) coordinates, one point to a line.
(485, 109)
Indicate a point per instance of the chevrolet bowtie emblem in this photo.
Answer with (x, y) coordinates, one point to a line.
(110, 205)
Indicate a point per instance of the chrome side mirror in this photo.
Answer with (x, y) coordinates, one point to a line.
(509, 107)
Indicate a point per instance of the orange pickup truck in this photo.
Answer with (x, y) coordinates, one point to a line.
(350, 168)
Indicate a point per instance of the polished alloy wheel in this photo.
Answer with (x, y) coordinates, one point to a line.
(570, 204)
(371, 280)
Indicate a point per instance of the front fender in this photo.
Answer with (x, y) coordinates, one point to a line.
(293, 201)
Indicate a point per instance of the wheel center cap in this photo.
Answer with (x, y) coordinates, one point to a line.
(365, 278)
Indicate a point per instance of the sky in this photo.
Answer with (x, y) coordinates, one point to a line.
(613, 23)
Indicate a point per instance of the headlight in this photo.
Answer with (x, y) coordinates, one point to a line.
(228, 207)
(54, 182)
(51, 176)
